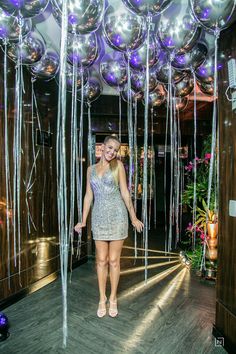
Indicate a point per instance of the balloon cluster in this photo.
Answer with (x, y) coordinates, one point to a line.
(175, 43)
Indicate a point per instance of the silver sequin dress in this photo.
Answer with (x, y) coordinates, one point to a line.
(109, 213)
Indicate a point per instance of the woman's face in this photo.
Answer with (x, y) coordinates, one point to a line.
(110, 149)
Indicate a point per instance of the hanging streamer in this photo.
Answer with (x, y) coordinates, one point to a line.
(165, 163)
(195, 161)
(61, 170)
(151, 172)
(135, 171)
(120, 115)
(130, 124)
(145, 152)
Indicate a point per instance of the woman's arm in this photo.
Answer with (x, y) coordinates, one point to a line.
(88, 198)
(127, 198)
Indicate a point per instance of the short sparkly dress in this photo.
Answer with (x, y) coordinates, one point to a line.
(109, 213)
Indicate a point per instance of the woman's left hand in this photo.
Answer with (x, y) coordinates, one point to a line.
(138, 225)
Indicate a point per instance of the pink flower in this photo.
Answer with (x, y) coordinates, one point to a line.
(207, 156)
(202, 236)
(190, 227)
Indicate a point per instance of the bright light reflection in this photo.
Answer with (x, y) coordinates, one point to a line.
(165, 298)
(149, 257)
(150, 266)
(150, 250)
(143, 286)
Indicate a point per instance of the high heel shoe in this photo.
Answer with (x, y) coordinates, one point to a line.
(102, 312)
(113, 312)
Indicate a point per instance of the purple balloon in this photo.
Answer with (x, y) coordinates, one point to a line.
(138, 81)
(147, 7)
(113, 70)
(184, 87)
(47, 67)
(157, 97)
(123, 31)
(138, 58)
(192, 59)
(162, 74)
(135, 96)
(82, 49)
(207, 89)
(91, 91)
(205, 72)
(9, 27)
(24, 8)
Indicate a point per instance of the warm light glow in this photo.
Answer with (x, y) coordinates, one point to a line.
(150, 266)
(150, 250)
(143, 286)
(149, 257)
(163, 300)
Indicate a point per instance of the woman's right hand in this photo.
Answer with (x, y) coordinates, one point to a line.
(78, 227)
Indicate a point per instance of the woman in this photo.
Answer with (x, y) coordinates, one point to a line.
(106, 180)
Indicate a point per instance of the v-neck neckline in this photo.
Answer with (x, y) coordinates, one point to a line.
(100, 177)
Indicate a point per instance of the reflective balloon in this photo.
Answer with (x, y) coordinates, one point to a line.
(47, 67)
(138, 81)
(205, 72)
(208, 89)
(214, 14)
(180, 103)
(191, 59)
(147, 7)
(24, 8)
(177, 30)
(135, 96)
(9, 27)
(138, 58)
(162, 74)
(92, 90)
(82, 49)
(31, 49)
(184, 87)
(113, 70)
(84, 16)
(69, 77)
(157, 97)
(123, 31)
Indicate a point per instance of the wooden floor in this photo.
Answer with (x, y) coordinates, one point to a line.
(172, 313)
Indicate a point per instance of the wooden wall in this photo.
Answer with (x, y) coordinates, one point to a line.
(225, 322)
(35, 260)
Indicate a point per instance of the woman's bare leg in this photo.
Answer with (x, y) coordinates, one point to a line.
(102, 267)
(115, 248)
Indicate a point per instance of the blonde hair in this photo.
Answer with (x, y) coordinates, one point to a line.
(113, 164)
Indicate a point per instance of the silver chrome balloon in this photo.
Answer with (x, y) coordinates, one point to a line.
(181, 103)
(92, 90)
(157, 97)
(24, 8)
(138, 58)
(82, 49)
(123, 31)
(177, 29)
(138, 81)
(147, 7)
(31, 50)
(208, 89)
(47, 67)
(192, 59)
(9, 27)
(205, 72)
(184, 87)
(113, 70)
(84, 16)
(135, 96)
(162, 74)
(214, 14)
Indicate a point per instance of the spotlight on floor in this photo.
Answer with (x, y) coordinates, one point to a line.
(184, 259)
(4, 325)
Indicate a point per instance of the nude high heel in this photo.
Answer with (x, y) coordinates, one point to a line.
(102, 312)
(113, 312)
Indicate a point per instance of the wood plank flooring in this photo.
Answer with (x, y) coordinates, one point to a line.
(173, 313)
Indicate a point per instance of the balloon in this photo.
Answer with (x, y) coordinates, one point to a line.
(177, 30)
(92, 90)
(134, 95)
(123, 31)
(47, 67)
(191, 59)
(69, 77)
(184, 87)
(146, 7)
(113, 70)
(157, 97)
(84, 16)
(180, 103)
(137, 59)
(208, 89)
(214, 14)
(24, 8)
(82, 49)
(162, 74)
(205, 72)
(138, 81)
(31, 50)
(9, 27)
